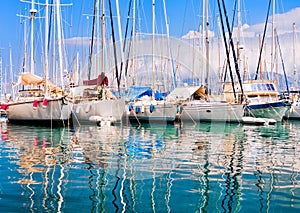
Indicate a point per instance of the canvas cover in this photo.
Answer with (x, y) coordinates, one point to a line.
(184, 93)
(27, 78)
(136, 92)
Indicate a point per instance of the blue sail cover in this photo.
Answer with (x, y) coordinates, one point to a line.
(136, 92)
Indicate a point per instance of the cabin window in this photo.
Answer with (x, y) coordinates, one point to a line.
(270, 87)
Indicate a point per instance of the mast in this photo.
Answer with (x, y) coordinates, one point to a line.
(10, 65)
(1, 76)
(203, 39)
(133, 39)
(103, 35)
(46, 45)
(273, 39)
(32, 11)
(59, 38)
(169, 46)
(153, 29)
(239, 33)
(206, 44)
(98, 44)
(92, 40)
(295, 85)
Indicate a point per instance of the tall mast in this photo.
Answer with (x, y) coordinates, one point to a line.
(10, 65)
(92, 40)
(59, 38)
(273, 39)
(98, 46)
(32, 11)
(206, 43)
(1, 76)
(239, 32)
(133, 43)
(203, 39)
(295, 85)
(103, 34)
(153, 29)
(46, 44)
(169, 46)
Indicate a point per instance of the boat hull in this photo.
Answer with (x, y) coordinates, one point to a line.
(294, 112)
(274, 110)
(212, 111)
(93, 112)
(25, 112)
(160, 113)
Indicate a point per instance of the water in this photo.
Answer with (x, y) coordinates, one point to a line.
(209, 167)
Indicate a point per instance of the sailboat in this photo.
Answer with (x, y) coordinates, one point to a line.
(145, 103)
(38, 101)
(262, 96)
(196, 102)
(94, 102)
(294, 95)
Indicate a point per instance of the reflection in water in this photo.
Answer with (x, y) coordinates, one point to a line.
(151, 168)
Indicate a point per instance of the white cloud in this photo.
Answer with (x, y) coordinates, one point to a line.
(197, 35)
(250, 42)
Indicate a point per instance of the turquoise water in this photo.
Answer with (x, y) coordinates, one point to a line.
(209, 167)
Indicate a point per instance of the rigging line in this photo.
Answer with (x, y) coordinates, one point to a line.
(124, 44)
(127, 24)
(226, 48)
(283, 67)
(169, 45)
(232, 25)
(183, 23)
(114, 45)
(233, 51)
(264, 35)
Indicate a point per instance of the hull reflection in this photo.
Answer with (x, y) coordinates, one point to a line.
(152, 168)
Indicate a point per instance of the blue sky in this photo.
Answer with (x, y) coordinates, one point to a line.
(183, 16)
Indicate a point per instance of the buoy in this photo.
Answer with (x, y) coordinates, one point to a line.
(137, 109)
(151, 108)
(35, 103)
(45, 103)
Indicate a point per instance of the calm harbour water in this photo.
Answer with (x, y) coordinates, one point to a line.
(209, 167)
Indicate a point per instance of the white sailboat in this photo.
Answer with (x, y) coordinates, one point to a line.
(294, 95)
(262, 97)
(197, 105)
(93, 102)
(149, 107)
(38, 102)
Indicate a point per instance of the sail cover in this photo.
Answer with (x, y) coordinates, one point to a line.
(27, 78)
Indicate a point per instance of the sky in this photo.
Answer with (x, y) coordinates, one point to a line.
(183, 16)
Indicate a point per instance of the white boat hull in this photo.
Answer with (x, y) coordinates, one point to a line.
(24, 112)
(294, 112)
(93, 112)
(211, 111)
(161, 112)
